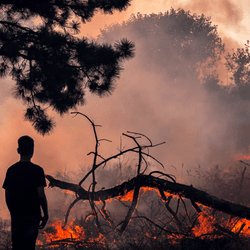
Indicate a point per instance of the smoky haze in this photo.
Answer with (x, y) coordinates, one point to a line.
(158, 94)
(161, 89)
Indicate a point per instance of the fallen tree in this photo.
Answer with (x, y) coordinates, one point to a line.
(165, 184)
(189, 192)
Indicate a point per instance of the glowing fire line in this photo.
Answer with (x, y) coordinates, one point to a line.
(205, 225)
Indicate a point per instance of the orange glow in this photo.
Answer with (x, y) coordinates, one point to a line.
(206, 225)
(241, 156)
(72, 232)
(243, 226)
(127, 197)
(68, 192)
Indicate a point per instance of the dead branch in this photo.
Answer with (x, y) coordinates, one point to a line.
(244, 163)
(167, 201)
(103, 211)
(91, 200)
(198, 196)
(68, 211)
(122, 153)
(241, 183)
(132, 208)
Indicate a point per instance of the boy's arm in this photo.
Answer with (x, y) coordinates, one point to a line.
(44, 205)
(7, 199)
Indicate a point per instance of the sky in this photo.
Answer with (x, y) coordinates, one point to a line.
(200, 141)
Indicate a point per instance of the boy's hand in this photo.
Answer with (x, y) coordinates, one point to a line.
(43, 222)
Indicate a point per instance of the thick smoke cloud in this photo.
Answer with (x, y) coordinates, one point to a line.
(163, 92)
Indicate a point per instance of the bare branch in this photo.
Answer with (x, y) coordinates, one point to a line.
(151, 144)
(244, 163)
(132, 207)
(161, 173)
(139, 152)
(104, 140)
(92, 205)
(68, 211)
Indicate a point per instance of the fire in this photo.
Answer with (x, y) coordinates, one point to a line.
(129, 196)
(241, 156)
(206, 226)
(72, 232)
(242, 226)
(68, 192)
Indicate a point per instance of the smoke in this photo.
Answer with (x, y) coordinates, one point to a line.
(223, 11)
(166, 106)
(199, 124)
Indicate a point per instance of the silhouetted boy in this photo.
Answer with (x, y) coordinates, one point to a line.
(24, 193)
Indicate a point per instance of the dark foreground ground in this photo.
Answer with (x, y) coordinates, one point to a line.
(188, 244)
(233, 242)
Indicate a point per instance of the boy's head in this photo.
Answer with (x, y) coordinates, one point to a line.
(25, 145)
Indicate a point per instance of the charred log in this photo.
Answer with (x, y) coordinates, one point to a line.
(188, 192)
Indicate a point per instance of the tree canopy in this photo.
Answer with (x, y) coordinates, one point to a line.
(51, 66)
(238, 64)
(178, 41)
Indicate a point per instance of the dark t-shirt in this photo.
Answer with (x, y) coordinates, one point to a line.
(22, 180)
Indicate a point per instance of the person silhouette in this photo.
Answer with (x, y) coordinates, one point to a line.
(24, 194)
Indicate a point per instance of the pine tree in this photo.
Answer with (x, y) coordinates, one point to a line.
(51, 66)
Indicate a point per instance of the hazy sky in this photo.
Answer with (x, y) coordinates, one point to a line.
(72, 139)
(232, 16)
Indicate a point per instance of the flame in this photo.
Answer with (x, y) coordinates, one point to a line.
(129, 195)
(71, 232)
(206, 225)
(242, 226)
